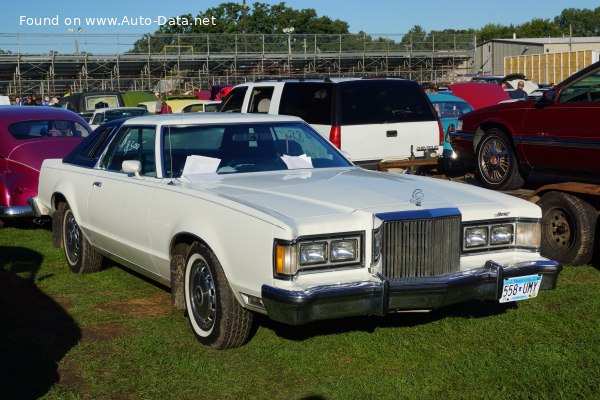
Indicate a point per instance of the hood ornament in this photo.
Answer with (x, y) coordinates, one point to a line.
(417, 197)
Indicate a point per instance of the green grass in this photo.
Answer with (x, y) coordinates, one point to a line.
(112, 335)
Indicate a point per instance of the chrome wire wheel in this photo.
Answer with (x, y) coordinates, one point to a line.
(202, 295)
(494, 160)
(559, 225)
(72, 238)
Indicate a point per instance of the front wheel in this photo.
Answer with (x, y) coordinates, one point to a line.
(496, 162)
(217, 318)
(81, 256)
(568, 228)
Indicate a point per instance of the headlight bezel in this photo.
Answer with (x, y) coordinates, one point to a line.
(287, 254)
(530, 227)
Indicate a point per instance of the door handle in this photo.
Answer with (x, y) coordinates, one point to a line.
(99, 184)
(391, 133)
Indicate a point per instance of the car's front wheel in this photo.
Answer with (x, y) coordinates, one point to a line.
(217, 318)
(81, 256)
(497, 166)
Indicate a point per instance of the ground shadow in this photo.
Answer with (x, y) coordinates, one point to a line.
(470, 309)
(35, 331)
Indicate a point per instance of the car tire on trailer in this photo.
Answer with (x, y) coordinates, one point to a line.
(568, 228)
(497, 167)
(81, 256)
(217, 318)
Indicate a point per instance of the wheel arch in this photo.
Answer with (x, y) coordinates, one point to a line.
(482, 130)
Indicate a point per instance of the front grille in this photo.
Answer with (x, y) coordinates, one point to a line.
(421, 247)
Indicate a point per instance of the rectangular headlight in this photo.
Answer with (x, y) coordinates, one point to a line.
(501, 234)
(313, 253)
(529, 234)
(344, 250)
(476, 237)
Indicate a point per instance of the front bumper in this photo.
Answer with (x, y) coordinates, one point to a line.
(380, 295)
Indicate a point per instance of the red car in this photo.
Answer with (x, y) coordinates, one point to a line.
(558, 135)
(28, 135)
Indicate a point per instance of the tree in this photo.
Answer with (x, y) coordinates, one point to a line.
(260, 18)
(583, 22)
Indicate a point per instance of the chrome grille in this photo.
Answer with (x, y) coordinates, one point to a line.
(421, 247)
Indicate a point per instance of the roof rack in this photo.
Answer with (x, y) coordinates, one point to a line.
(292, 78)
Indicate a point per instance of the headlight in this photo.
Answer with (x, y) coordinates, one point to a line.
(313, 253)
(459, 125)
(502, 234)
(476, 237)
(317, 253)
(344, 250)
(529, 234)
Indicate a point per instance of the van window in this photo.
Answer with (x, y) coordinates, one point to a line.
(387, 101)
(310, 101)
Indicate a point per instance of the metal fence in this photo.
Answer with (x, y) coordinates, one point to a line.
(121, 62)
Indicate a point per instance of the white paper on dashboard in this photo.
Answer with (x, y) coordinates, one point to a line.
(296, 162)
(200, 165)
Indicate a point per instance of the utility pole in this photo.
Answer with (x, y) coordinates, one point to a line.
(245, 25)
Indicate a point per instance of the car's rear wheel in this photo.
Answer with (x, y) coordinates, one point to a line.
(217, 318)
(497, 166)
(81, 256)
(568, 228)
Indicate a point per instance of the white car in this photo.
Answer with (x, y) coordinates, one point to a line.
(243, 214)
(370, 119)
(103, 115)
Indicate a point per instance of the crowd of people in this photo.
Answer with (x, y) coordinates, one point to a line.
(35, 100)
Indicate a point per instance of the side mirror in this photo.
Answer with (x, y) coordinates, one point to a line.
(132, 167)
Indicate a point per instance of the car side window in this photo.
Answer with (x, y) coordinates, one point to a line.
(260, 99)
(132, 143)
(585, 90)
(234, 100)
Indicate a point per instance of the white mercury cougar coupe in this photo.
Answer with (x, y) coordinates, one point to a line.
(244, 214)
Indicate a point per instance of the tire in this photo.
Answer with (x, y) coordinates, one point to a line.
(81, 256)
(218, 320)
(497, 167)
(568, 228)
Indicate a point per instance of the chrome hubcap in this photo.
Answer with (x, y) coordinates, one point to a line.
(494, 160)
(203, 295)
(72, 239)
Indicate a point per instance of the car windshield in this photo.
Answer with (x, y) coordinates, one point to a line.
(25, 130)
(452, 109)
(248, 147)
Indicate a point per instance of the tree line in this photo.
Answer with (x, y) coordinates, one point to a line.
(262, 18)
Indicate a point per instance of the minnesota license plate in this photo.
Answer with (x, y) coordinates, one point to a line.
(520, 288)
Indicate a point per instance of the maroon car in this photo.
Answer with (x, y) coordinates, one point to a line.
(558, 135)
(28, 135)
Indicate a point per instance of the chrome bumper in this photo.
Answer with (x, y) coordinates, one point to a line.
(380, 295)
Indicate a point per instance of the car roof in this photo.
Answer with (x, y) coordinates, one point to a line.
(101, 110)
(325, 80)
(210, 118)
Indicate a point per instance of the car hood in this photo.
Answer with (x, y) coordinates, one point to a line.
(33, 152)
(479, 95)
(303, 194)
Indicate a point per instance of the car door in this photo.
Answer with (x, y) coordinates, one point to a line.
(119, 203)
(562, 136)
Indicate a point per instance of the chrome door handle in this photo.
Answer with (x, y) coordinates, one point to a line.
(99, 184)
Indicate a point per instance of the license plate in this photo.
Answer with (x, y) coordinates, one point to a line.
(520, 288)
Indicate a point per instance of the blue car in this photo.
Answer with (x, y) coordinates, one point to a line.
(449, 109)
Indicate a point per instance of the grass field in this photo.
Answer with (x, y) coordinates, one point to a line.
(113, 335)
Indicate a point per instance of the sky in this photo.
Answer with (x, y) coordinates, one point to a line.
(371, 16)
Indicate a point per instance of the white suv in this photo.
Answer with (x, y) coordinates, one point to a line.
(370, 119)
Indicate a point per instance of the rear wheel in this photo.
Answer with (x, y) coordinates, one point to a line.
(217, 318)
(568, 228)
(81, 256)
(497, 166)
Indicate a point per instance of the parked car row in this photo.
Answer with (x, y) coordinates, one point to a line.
(259, 209)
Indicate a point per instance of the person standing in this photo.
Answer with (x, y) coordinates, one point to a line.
(519, 93)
